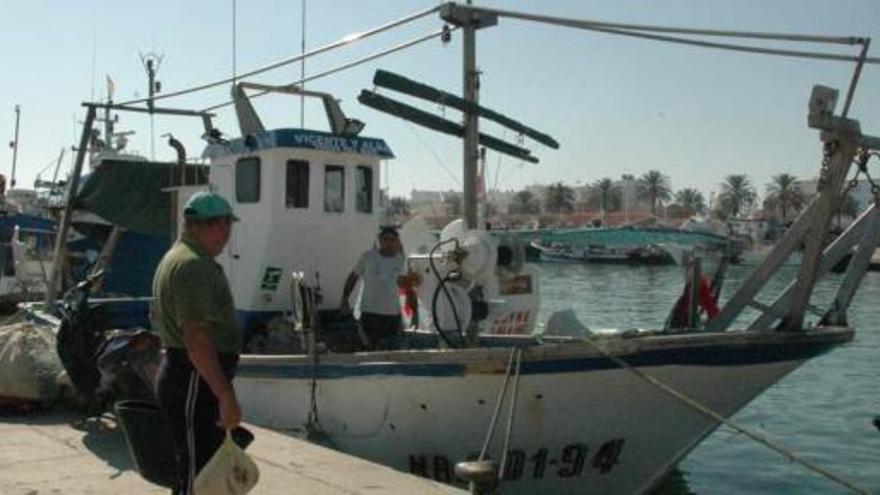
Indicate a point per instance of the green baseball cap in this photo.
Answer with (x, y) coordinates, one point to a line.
(206, 205)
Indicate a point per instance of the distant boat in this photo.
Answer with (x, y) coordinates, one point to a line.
(25, 256)
(632, 255)
(627, 237)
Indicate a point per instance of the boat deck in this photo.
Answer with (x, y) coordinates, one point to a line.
(65, 453)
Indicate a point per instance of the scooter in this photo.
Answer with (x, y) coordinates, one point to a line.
(104, 365)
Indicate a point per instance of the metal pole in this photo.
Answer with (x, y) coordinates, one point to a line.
(834, 178)
(234, 31)
(858, 265)
(302, 70)
(151, 75)
(15, 145)
(855, 78)
(471, 130)
(72, 188)
(693, 285)
(832, 255)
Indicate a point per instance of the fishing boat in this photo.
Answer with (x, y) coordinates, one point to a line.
(471, 395)
(26, 237)
(598, 253)
(687, 238)
(25, 256)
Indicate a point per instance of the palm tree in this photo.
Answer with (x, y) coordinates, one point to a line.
(782, 194)
(691, 201)
(737, 194)
(655, 186)
(603, 188)
(558, 198)
(524, 202)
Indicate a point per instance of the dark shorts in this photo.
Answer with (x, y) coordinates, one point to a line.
(384, 331)
(192, 411)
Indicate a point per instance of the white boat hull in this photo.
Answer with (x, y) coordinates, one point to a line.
(582, 424)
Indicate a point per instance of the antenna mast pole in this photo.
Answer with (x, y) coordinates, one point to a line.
(234, 43)
(469, 20)
(302, 70)
(15, 145)
(151, 63)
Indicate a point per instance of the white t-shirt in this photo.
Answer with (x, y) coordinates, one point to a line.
(379, 293)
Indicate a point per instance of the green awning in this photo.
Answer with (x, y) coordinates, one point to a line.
(130, 193)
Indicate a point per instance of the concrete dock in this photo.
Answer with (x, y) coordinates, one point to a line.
(65, 453)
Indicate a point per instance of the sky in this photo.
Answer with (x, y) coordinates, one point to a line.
(617, 105)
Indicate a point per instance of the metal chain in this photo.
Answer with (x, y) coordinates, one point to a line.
(828, 150)
(861, 163)
(875, 188)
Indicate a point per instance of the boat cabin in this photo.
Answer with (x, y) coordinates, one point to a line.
(308, 201)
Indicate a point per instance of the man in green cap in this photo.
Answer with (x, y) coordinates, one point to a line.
(195, 317)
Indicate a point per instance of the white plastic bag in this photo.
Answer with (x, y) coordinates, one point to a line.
(229, 472)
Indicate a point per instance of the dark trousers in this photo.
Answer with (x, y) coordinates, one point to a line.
(192, 411)
(383, 331)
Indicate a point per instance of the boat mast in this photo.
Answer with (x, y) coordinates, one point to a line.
(302, 68)
(15, 146)
(151, 62)
(72, 188)
(469, 20)
(60, 251)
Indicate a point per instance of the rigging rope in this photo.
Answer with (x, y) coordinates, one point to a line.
(642, 31)
(634, 30)
(587, 24)
(336, 44)
(740, 48)
(693, 404)
(349, 65)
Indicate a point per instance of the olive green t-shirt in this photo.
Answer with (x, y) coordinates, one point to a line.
(189, 286)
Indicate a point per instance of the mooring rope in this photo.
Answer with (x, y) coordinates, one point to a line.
(693, 404)
(498, 401)
(509, 433)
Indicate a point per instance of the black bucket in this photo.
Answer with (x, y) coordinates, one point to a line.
(150, 441)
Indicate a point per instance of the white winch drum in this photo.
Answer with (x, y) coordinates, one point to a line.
(480, 246)
(481, 254)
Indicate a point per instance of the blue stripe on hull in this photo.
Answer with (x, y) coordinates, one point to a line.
(733, 355)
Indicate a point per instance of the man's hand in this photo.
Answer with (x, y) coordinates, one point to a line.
(203, 355)
(230, 413)
(409, 280)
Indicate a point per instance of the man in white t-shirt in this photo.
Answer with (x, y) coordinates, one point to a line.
(383, 270)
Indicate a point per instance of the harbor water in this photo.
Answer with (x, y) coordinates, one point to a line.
(822, 411)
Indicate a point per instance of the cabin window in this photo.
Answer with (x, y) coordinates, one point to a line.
(364, 189)
(297, 195)
(247, 180)
(334, 188)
